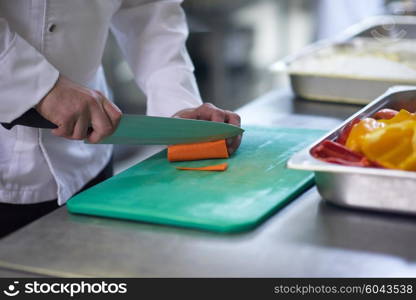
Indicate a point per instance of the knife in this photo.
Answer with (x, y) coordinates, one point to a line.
(147, 130)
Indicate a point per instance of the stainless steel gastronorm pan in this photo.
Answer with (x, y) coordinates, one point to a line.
(348, 89)
(367, 188)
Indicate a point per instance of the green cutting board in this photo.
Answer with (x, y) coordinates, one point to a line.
(256, 184)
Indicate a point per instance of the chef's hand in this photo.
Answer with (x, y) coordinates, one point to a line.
(210, 112)
(76, 110)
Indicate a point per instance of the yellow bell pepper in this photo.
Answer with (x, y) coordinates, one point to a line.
(359, 131)
(390, 146)
(403, 115)
(391, 143)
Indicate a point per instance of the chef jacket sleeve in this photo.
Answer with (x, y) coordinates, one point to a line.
(152, 36)
(25, 76)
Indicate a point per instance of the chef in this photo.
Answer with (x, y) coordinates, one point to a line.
(50, 60)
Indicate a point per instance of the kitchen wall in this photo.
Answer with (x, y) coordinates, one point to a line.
(233, 43)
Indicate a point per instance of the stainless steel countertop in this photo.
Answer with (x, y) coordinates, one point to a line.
(307, 238)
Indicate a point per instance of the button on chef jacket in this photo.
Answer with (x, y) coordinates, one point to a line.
(41, 39)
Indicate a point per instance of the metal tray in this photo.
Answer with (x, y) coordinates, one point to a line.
(367, 188)
(346, 88)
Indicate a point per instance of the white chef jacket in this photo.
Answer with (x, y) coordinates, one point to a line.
(40, 39)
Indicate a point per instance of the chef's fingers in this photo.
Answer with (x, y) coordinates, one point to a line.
(100, 123)
(189, 113)
(210, 112)
(233, 144)
(81, 128)
(232, 118)
(65, 127)
(112, 111)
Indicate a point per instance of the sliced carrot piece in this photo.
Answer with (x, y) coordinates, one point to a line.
(220, 167)
(197, 151)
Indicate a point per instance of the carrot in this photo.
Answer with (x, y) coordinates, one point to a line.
(197, 151)
(220, 167)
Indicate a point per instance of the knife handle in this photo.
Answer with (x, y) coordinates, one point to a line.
(31, 118)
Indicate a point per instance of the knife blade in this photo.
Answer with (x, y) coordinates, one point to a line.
(148, 130)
